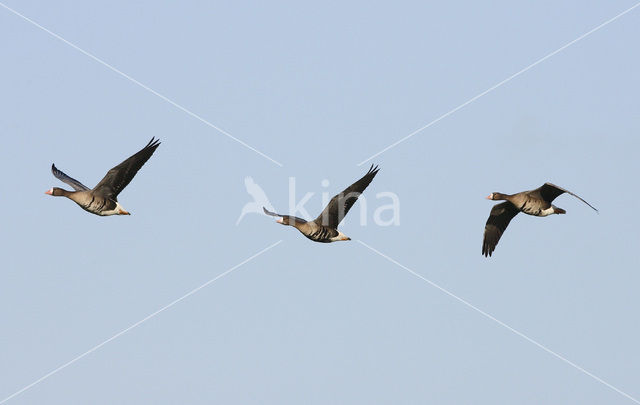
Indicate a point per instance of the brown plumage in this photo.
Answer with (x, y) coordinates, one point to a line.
(102, 199)
(325, 227)
(534, 202)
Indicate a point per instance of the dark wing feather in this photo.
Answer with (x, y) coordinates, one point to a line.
(273, 214)
(120, 176)
(291, 218)
(66, 179)
(550, 191)
(499, 218)
(341, 203)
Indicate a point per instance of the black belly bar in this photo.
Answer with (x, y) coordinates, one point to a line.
(320, 235)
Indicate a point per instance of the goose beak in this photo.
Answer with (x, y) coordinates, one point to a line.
(49, 192)
(280, 221)
(489, 197)
(123, 212)
(346, 238)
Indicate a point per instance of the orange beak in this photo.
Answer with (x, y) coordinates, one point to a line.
(280, 221)
(123, 212)
(48, 192)
(489, 196)
(347, 238)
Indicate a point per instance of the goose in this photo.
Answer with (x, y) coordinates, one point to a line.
(324, 229)
(534, 202)
(102, 199)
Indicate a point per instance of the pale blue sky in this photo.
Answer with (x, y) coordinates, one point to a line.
(319, 88)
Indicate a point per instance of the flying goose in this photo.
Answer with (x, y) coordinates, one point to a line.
(535, 202)
(102, 199)
(325, 228)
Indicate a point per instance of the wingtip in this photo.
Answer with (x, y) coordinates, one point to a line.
(153, 143)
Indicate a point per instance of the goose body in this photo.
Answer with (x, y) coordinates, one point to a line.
(529, 203)
(324, 229)
(88, 202)
(534, 202)
(102, 199)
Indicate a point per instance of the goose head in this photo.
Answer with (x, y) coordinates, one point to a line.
(497, 196)
(284, 221)
(56, 192)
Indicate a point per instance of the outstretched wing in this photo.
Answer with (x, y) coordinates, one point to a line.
(550, 191)
(341, 203)
(120, 176)
(499, 218)
(66, 179)
(291, 218)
